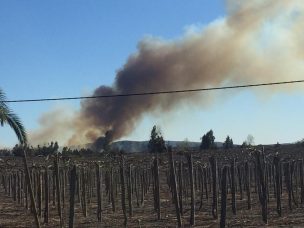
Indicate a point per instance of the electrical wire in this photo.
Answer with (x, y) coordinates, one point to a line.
(153, 92)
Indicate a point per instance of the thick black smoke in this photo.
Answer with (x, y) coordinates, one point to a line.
(258, 41)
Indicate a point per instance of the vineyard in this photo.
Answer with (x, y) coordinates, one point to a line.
(235, 188)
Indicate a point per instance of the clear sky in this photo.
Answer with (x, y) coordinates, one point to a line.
(67, 48)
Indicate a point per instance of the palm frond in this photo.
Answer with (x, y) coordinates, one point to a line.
(2, 96)
(15, 123)
(3, 105)
(7, 116)
(3, 113)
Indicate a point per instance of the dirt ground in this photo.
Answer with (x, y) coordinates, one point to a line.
(14, 215)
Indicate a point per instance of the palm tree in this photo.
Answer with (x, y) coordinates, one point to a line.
(8, 117)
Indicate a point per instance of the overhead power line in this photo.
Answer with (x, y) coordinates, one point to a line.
(153, 92)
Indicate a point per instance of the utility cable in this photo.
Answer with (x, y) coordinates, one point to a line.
(153, 92)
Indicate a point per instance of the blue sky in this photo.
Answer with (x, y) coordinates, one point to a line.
(67, 48)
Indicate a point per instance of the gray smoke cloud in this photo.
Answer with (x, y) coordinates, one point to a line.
(258, 41)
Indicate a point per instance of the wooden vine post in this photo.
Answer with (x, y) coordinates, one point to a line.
(73, 177)
(56, 166)
(213, 164)
(223, 197)
(232, 171)
(28, 179)
(123, 190)
(277, 166)
(263, 191)
(190, 164)
(99, 186)
(247, 181)
(46, 196)
(157, 187)
(174, 187)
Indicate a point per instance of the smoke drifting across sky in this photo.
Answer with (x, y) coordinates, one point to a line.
(258, 41)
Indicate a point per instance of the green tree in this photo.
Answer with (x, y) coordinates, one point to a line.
(231, 143)
(49, 149)
(228, 144)
(208, 141)
(8, 117)
(156, 143)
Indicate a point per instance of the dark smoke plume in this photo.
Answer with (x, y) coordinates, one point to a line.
(258, 41)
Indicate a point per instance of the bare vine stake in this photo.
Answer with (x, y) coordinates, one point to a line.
(274, 180)
(112, 190)
(88, 178)
(34, 181)
(73, 177)
(46, 196)
(240, 181)
(136, 186)
(205, 182)
(247, 181)
(56, 166)
(19, 187)
(277, 166)
(213, 164)
(130, 190)
(27, 174)
(202, 187)
(223, 197)
(54, 186)
(84, 194)
(190, 164)
(301, 181)
(261, 176)
(233, 203)
(123, 191)
(267, 169)
(174, 187)
(297, 174)
(229, 180)
(78, 189)
(4, 183)
(154, 187)
(98, 177)
(22, 187)
(63, 187)
(9, 185)
(26, 192)
(292, 171)
(116, 181)
(287, 182)
(15, 186)
(157, 187)
(39, 195)
(142, 201)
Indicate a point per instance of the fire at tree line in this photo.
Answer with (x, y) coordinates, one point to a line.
(156, 144)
